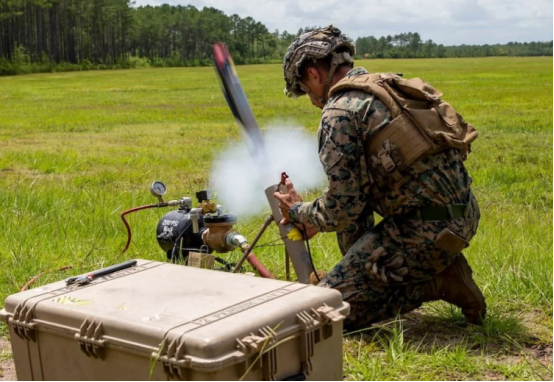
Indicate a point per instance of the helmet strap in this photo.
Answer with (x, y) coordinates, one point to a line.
(338, 59)
(320, 101)
(335, 62)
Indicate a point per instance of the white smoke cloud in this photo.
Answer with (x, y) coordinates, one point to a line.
(239, 182)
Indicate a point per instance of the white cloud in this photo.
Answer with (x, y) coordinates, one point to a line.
(449, 22)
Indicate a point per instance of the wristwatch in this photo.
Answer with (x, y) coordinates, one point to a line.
(293, 212)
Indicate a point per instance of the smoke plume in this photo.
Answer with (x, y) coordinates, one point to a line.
(239, 181)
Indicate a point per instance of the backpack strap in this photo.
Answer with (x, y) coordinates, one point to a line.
(372, 83)
(438, 122)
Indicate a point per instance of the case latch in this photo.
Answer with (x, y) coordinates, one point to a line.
(313, 328)
(328, 313)
(264, 342)
(172, 360)
(21, 322)
(90, 339)
(308, 328)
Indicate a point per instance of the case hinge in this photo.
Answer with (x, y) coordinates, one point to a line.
(21, 322)
(172, 360)
(90, 339)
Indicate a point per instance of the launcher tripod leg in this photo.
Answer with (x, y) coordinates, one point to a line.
(245, 254)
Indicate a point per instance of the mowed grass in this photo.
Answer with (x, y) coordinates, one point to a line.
(77, 149)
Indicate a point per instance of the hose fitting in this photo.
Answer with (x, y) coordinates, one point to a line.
(234, 240)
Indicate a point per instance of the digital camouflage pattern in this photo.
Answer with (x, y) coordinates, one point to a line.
(383, 268)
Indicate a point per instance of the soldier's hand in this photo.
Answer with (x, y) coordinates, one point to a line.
(287, 200)
(311, 231)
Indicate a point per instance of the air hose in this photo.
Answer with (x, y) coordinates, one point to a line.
(129, 234)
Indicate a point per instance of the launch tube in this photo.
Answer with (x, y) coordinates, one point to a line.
(297, 249)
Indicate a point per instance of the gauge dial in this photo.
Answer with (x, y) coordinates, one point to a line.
(158, 188)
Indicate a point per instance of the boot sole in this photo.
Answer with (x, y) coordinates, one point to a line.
(466, 273)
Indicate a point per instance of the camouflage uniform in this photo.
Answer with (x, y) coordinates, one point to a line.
(407, 247)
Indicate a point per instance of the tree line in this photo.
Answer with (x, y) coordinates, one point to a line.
(58, 35)
(45, 35)
(411, 45)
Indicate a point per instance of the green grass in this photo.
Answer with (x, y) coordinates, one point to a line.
(76, 149)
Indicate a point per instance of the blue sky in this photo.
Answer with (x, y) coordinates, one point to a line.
(451, 22)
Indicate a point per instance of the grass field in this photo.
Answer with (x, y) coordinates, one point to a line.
(76, 149)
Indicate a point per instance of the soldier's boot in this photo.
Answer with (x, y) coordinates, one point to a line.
(456, 286)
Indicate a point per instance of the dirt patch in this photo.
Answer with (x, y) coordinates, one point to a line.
(543, 353)
(507, 335)
(504, 341)
(7, 367)
(494, 376)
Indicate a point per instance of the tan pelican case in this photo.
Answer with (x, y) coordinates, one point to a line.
(162, 321)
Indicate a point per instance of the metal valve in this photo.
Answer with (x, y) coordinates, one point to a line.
(186, 203)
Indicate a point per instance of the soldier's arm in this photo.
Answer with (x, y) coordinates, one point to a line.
(341, 153)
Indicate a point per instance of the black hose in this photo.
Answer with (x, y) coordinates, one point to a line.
(177, 240)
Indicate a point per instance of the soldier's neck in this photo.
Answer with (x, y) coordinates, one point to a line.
(339, 74)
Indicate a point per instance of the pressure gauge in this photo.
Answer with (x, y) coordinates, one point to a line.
(158, 189)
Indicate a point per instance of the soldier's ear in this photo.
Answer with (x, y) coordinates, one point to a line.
(312, 74)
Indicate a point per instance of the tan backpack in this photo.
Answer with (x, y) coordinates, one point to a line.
(421, 123)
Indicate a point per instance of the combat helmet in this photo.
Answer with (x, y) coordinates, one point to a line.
(313, 45)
